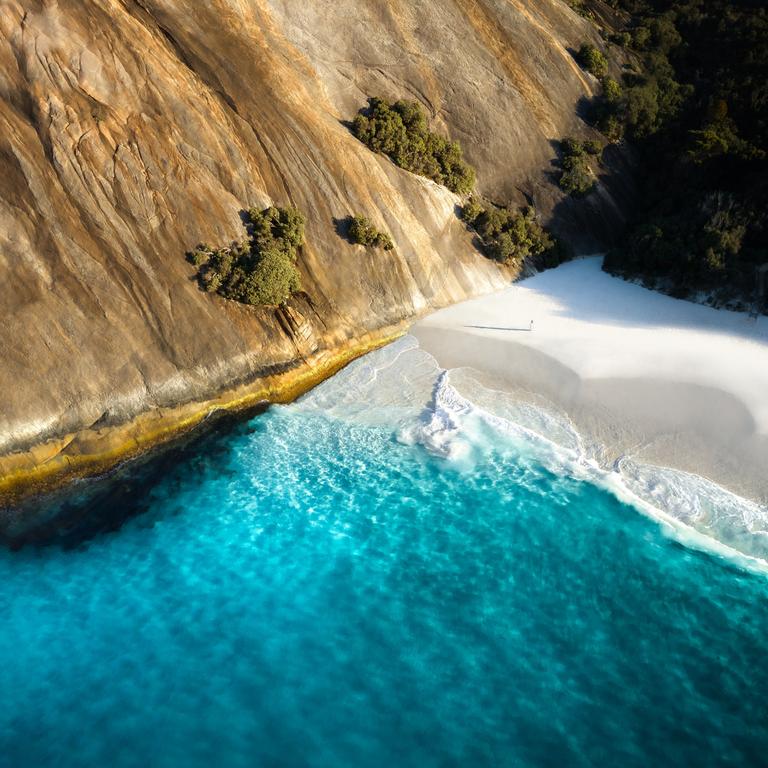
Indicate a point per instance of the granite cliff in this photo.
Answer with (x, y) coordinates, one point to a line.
(132, 129)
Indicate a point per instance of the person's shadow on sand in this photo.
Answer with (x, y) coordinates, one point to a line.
(497, 328)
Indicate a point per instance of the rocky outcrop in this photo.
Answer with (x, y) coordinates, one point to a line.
(130, 130)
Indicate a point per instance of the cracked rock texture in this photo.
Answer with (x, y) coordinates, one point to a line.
(130, 130)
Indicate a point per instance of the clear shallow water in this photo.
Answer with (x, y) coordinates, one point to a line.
(360, 580)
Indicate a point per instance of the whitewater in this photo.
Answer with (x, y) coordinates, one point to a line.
(389, 384)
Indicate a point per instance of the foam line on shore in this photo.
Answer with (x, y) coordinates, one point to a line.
(693, 510)
(458, 419)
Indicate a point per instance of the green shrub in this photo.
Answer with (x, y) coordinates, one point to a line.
(510, 236)
(571, 147)
(607, 111)
(664, 35)
(611, 127)
(593, 147)
(362, 232)
(281, 227)
(643, 109)
(592, 60)
(271, 280)
(577, 178)
(261, 270)
(200, 255)
(471, 210)
(612, 92)
(400, 131)
(718, 137)
(641, 37)
(622, 39)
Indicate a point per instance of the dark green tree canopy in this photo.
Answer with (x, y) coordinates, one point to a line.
(577, 177)
(511, 236)
(261, 270)
(696, 109)
(400, 131)
(593, 60)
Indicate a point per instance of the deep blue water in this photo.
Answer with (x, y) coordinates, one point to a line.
(308, 590)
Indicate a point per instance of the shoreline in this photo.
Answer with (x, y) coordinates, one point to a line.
(49, 466)
(637, 374)
(570, 364)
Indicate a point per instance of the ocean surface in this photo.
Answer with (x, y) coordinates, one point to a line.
(401, 569)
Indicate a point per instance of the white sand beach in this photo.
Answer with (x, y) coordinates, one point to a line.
(638, 373)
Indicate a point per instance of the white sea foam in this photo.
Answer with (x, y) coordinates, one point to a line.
(696, 511)
(404, 386)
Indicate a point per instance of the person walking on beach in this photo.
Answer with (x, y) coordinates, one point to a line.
(531, 326)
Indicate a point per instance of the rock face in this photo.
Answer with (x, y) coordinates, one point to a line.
(130, 130)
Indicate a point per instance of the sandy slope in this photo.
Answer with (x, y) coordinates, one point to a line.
(639, 373)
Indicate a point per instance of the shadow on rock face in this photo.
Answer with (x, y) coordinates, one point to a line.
(341, 226)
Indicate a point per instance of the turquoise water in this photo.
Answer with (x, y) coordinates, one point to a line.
(318, 588)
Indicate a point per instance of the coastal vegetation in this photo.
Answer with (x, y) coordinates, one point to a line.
(507, 235)
(693, 101)
(593, 60)
(362, 232)
(400, 132)
(577, 177)
(510, 235)
(581, 8)
(260, 270)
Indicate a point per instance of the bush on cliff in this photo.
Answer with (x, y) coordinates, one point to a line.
(261, 270)
(607, 111)
(592, 60)
(400, 131)
(362, 232)
(509, 235)
(577, 178)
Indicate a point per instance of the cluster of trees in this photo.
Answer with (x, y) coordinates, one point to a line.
(400, 131)
(510, 235)
(362, 232)
(692, 247)
(649, 96)
(696, 109)
(260, 270)
(577, 177)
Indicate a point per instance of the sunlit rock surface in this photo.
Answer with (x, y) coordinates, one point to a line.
(130, 131)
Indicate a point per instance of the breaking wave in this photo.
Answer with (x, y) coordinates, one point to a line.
(391, 385)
